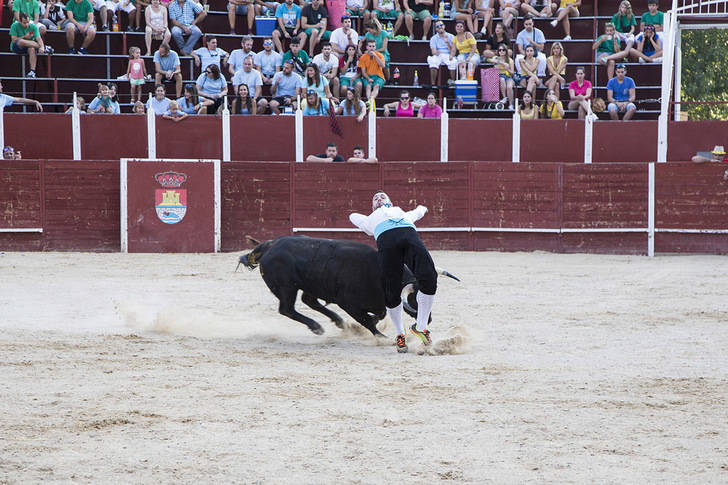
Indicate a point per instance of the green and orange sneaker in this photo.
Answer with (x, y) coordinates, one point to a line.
(424, 335)
(401, 344)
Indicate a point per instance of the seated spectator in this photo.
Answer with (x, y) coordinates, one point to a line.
(138, 108)
(607, 49)
(567, 8)
(284, 88)
(328, 65)
(580, 93)
(381, 38)
(210, 54)
(52, 14)
(418, 10)
(185, 16)
(484, 10)
(100, 6)
(313, 80)
(242, 7)
(349, 71)
(313, 105)
(298, 56)
(8, 153)
(466, 48)
(509, 12)
(6, 100)
(371, 64)
(174, 113)
(624, 24)
(404, 108)
(649, 46)
(443, 53)
(80, 15)
(114, 95)
(159, 103)
(25, 39)
(157, 25)
(343, 36)
(167, 68)
(212, 88)
(499, 37)
(556, 65)
(331, 155)
(268, 61)
(507, 73)
(621, 95)
(243, 104)
(526, 109)
(314, 21)
(535, 38)
(254, 81)
(536, 8)
(551, 109)
(358, 156)
(358, 8)
(431, 109)
(652, 16)
(352, 105)
(235, 62)
(102, 102)
(190, 102)
(33, 9)
(529, 78)
(288, 24)
(464, 10)
(386, 10)
(80, 104)
(717, 155)
(114, 6)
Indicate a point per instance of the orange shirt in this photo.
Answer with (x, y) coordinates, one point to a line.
(371, 65)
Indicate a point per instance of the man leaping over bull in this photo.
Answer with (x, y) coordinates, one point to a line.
(398, 243)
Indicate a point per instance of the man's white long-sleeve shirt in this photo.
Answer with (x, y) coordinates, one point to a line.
(385, 218)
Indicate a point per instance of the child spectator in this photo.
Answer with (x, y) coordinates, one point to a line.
(25, 39)
(136, 72)
(348, 70)
(113, 94)
(649, 46)
(358, 156)
(507, 73)
(556, 66)
(371, 64)
(580, 93)
(621, 95)
(174, 113)
(243, 104)
(80, 104)
(138, 108)
(102, 102)
(159, 103)
(526, 108)
(298, 56)
(652, 16)
(431, 109)
(607, 48)
(352, 105)
(625, 23)
(551, 109)
(157, 24)
(567, 8)
(190, 102)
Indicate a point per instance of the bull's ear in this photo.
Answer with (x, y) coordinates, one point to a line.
(251, 240)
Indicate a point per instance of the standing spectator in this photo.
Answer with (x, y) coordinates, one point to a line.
(551, 109)
(625, 23)
(607, 49)
(443, 53)
(6, 100)
(467, 50)
(298, 56)
(509, 12)
(580, 93)
(331, 155)
(533, 37)
(371, 64)
(313, 80)
(328, 65)
(418, 10)
(242, 7)
(136, 73)
(499, 37)
(526, 109)
(243, 104)
(556, 65)
(157, 25)
(652, 16)
(621, 95)
(53, 14)
(431, 109)
(212, 86)
(288, 20)
(404, 108)
(313, 105)
(190, 102)
(536, 8)
(381, 38)
(25, 39)
(80, 15)
(32, 9)
(284, 88)
(348, 70)
(507, 73)
(268, 61)
(253, 80)
(186, 16)
(529, 71)
(235, 63)
(358, 156)
(210, 54)
(649, 46)
(314, 20)
(567, 8)
(159, 103)
(167, 68)
(352, 105)
(343, 36)
(387, 10)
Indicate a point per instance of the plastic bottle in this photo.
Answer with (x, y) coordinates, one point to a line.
(441, 11)
(390, 29)
(417, 79)
(395, 76)
(446, 10)
(115, 23)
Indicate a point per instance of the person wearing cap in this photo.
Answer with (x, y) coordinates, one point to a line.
(284, 87)
(621, 95)
(442, 48)
(399, 244)
(6, 100)
(331, 155)
(372, 64)
(716, 155)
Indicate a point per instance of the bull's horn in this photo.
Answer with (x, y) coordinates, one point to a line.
(446, 273)
(251, 240)
(406, 291)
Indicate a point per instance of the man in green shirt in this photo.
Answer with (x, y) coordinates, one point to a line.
(80, 15)
(32, 8)
(25, 39)
(652, 16)
(299, 56)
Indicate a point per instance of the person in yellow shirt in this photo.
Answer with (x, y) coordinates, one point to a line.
(567, 8)
(551, 108)
(372, 64)
(556, 68)
(467, 50)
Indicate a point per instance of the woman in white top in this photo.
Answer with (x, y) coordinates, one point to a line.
(157, 25)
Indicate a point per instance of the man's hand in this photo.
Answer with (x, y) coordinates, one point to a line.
(39, 106)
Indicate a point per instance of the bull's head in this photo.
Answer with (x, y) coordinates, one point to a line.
(252, 259)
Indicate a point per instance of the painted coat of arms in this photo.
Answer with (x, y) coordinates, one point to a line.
(170, 200)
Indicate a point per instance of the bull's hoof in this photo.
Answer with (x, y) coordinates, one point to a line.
(318, 330)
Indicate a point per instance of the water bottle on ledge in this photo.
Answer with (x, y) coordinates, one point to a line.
(417, 79)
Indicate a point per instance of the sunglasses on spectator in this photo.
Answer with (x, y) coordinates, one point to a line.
(267, 42)
(188, 85)
(501, 50)
(404, 98)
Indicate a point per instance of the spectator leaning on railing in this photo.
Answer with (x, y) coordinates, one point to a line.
(6, 100)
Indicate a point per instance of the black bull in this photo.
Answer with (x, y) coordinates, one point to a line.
(343, 272)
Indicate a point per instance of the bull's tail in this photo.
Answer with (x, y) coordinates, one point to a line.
(251, 260)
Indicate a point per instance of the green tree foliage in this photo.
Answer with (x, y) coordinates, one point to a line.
(705, 72)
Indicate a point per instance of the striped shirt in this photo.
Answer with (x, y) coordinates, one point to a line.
(185, 14)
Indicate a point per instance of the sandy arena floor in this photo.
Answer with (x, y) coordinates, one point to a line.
(546, 369)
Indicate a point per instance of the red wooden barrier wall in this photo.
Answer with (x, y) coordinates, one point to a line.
(482, 140)
(694, 136)
(109, 137)
(192, 138)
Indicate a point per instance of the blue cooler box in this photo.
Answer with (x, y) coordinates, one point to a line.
(467, 91)
(264, 26)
